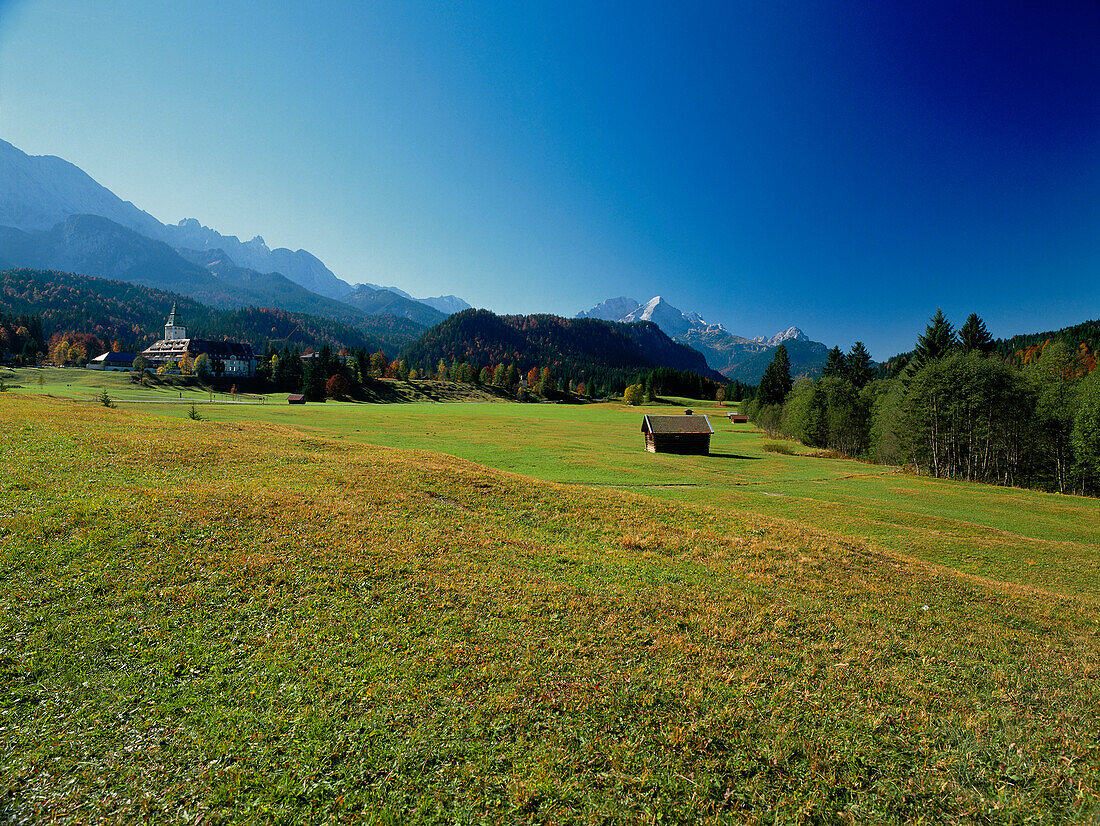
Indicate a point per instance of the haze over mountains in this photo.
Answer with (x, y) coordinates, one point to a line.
(735, 357)
(40, 192)
(54, 216)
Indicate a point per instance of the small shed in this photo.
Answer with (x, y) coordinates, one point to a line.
(295, 398)
(121, 362)
(739, 418)
(677, 434)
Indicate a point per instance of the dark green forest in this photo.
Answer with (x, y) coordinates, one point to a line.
(961, 406)
(602, 355)
(133, 316)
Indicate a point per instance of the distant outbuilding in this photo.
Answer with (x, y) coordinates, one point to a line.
(113, 361)
(677, 434)
(739, 418)
(295, 398)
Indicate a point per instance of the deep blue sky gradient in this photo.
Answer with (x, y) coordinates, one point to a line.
(847, 167)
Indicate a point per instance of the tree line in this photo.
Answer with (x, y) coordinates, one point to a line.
(22, 340)
(955, 408)
(344, 374)
(603, 356)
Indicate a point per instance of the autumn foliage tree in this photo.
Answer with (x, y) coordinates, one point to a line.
(634, 394)
(337, 387)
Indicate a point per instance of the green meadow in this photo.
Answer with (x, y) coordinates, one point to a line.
(492, 612)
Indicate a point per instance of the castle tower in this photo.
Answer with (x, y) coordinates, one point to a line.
(173, 328)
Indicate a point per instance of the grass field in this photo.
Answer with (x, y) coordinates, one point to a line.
(275, 615)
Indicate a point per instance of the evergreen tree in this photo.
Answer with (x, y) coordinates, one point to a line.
(776, 382)
(974, 336)
(836, 365)
(936, 342)
(313, 380)
(859, 370)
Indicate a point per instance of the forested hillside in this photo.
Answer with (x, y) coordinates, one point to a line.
(1083, 339)
(133, 316)
(605, 355)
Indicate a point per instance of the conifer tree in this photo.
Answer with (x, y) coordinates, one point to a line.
(776, 382)
(313, 380)
(859, 370)
(836, 365)
(974, 336)
(936, 342)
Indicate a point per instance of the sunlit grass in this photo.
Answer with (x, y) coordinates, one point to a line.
(243, 621)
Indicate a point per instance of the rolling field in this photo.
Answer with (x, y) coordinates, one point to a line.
(1027, 538)
(519, 615)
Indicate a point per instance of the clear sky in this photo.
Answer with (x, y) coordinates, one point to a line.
(844, 166)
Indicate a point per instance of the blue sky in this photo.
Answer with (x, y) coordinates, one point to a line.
(847, 167)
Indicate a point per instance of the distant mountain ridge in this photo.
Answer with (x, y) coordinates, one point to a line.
(299, 266)
(446, 304)
(387, 302)
(98, 247)
(733, 356)
(39, 192)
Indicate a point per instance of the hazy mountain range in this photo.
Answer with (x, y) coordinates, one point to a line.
(54, 216)
(735, 357)
(40, 193)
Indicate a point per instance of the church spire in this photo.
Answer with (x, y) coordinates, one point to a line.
(173, 328)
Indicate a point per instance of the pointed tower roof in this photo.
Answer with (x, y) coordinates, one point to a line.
(172, 317)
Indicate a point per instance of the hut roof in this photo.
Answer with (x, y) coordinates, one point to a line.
(115, 358)
(676, 424)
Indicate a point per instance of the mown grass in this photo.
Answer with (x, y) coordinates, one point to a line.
(1031, 539)
(243, 622)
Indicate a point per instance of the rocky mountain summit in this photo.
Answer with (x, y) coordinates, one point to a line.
(733, 356)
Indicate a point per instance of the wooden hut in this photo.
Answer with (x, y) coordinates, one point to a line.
(677, 434)
(739, 418)
(295, 398)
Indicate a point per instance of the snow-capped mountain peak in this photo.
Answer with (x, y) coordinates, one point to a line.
(731, 355)
(613, 309)
(790, 334)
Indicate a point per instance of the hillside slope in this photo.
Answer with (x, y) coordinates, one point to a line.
(134, 315)
(96, 246)
(1022, 349)
(579, 348)
(38, 192)
(386, 302)
(303, 629)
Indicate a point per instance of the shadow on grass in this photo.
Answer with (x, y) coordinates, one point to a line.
(734, 456)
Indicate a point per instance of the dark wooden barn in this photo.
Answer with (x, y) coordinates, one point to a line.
(677, 434)
(739, 418)
(295, 398)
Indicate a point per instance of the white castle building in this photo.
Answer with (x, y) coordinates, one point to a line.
(227, 358)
